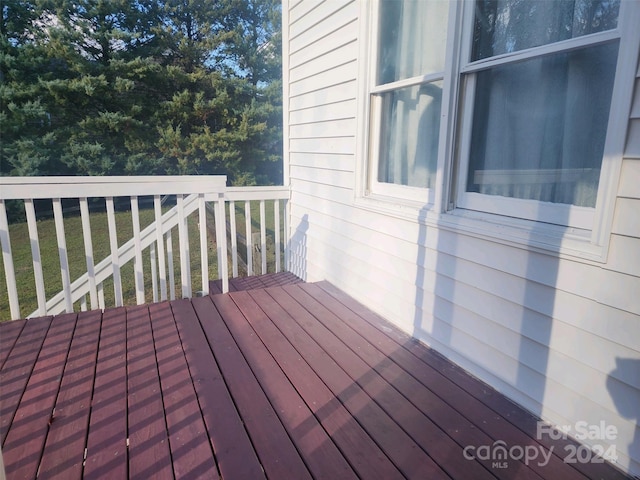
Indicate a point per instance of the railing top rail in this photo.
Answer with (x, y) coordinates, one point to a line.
(74, 187)
(257, 193)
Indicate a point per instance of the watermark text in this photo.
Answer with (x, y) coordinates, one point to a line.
(601, 447)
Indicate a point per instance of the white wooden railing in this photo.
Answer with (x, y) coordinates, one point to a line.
(205, 194)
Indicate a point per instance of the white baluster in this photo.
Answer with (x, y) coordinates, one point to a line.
(62, 250)
(115, 258)
(88, 251)
(234, 238)
(138, 271)
(160, 243)
(7, 258)
(154, 271)
(247, 220)
(276, 229)
(35, 254)
(101, 303)
(185, 260)
(172, 281)
(204, 254)
(263, 237)
(221, 241)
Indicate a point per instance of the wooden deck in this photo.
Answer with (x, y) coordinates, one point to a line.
(255, 282)
(286, 382)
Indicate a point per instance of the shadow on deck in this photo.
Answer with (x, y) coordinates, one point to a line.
(285, 380)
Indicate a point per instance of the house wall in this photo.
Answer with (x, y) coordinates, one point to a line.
(560, 336)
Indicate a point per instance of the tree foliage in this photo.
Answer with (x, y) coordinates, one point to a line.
(113, 87)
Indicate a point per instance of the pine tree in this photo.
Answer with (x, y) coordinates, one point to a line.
(96, 87)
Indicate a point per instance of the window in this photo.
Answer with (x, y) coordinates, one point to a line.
(406, 97)
(537, 96)
(511, 111)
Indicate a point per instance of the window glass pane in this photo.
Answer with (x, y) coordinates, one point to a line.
(412, 38)
(503, 26)
(409, 136)
(539, 126)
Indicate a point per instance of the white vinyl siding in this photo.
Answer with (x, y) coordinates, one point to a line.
(549, 330)
(322, 65)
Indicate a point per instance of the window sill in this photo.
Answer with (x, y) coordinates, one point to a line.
(395, 207)
(564, 242)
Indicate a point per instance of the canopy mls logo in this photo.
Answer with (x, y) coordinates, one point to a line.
(499, 453)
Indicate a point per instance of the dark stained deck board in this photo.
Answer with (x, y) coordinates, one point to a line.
(318, 451)
(297, 381)
(424, 417)
(17, 369)
(149, 455)
(26, 438)
(485, 419)
(107, 439)
(516, 415)
(63, 454)
(240, 284)
(359, 449)
(410, 458)
(279, 279)
(379, 352)
(10, 334)
(274, 448)
(191, 454)
(459, 389)
(230, 441)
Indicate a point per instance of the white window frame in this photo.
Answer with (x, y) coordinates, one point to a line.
(587, 234)
(406, 192)
(545, 212)
(369, 186)
(582, 230)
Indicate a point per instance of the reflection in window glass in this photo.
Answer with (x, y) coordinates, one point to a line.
(409, 138)
(412, 38)
(539, 126)
(503, 26)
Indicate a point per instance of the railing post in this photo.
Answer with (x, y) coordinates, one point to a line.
(185, 258)
(221, 242)
(204, 254)
(7, 258)
(287, 236)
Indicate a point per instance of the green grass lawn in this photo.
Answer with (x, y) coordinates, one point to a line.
(255, 228)
(23, 265)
